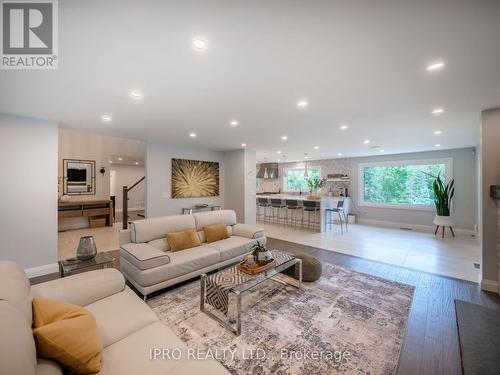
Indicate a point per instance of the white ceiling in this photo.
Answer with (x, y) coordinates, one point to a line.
(356, 62)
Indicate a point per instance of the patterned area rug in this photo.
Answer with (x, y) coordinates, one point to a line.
(346, 322)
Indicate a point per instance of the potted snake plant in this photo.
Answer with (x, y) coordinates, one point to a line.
(443, 194)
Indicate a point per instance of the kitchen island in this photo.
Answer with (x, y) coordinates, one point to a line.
(325, 202)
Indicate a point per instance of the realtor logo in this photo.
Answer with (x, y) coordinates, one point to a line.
(29, 34)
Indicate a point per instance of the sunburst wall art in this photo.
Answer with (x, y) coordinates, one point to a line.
(194, 178)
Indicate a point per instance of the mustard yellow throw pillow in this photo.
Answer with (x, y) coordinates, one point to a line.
(67, 334)
(184, 239)
(215, 232)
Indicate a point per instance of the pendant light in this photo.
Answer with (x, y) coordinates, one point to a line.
(265, 169)
(306, 175)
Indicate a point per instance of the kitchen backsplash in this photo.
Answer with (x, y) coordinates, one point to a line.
(328, 166)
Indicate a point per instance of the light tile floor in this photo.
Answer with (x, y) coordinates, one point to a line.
(454, 257)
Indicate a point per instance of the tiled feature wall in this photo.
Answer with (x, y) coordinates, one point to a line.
(327, 166)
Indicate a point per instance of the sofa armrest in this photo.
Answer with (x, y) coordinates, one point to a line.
(143, 256)
(124, 236)
(248, 231)
(82, 289)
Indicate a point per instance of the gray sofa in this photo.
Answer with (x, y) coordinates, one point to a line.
(129, 329)
(149, 265)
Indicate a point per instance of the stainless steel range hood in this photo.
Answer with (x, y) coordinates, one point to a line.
(268, 171)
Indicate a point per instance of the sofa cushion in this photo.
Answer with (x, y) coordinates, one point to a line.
(215, 232)
(203, 219)
(182, 240)
(17, 346)
(181, 263)
(133, 355)
(15, 288)
(248, 231)
(68, 334)
(120, 315)
(161, 244)
(152, 229)
(232, 247)
(143, 255)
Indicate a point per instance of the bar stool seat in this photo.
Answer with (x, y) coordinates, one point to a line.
(263, 203)
(278, 205)
(311, 207)
(339, 210)
(293, 207)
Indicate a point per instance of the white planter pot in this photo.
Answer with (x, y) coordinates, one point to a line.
(443, 221)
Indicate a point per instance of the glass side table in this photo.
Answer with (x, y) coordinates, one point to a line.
(71, 266)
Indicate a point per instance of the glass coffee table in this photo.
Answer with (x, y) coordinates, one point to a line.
(71, 266)
(223, 290)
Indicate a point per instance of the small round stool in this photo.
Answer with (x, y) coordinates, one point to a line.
(311, 268)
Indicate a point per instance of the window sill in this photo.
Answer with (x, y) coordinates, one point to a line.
(398, 206)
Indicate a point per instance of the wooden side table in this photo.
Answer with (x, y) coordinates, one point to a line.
(72, 266)
(443, 222)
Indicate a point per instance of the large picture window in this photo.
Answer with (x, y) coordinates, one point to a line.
(295, 181)
(401, 184)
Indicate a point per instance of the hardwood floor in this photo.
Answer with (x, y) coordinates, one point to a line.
(431, 345)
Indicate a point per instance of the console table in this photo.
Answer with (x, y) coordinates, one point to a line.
(89, 209)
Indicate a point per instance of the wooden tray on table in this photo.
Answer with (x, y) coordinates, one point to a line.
(257, 269)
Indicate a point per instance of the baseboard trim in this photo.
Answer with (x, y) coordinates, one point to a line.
(489, 285)
(42, 270)
(418, 227)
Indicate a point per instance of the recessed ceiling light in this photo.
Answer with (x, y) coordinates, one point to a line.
(233, 123)
(437, 145)
(278, 152)
(284, 137)
(192, 135)
(316, 147)
(111, 162)
(435, 66)
(339, 154)
(366, 141)
(199, 44)
(302, 103)
(106, 118)
(120, 159)
(136, 94)
(243, 145)
(136, 163)
(381, 150)
(437, 132)
(437, 111)
(343, 127)
(279, 160)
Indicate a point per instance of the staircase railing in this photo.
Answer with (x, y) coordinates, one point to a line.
(126, 190)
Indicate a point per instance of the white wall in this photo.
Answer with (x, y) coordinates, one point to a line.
(250, 189)
(490, 175)
(127, 175)
(158, 178)
(234, 170)
(28, 217)
(239, 173)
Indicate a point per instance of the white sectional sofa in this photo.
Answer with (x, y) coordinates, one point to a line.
(149, 265)
(129, 329)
